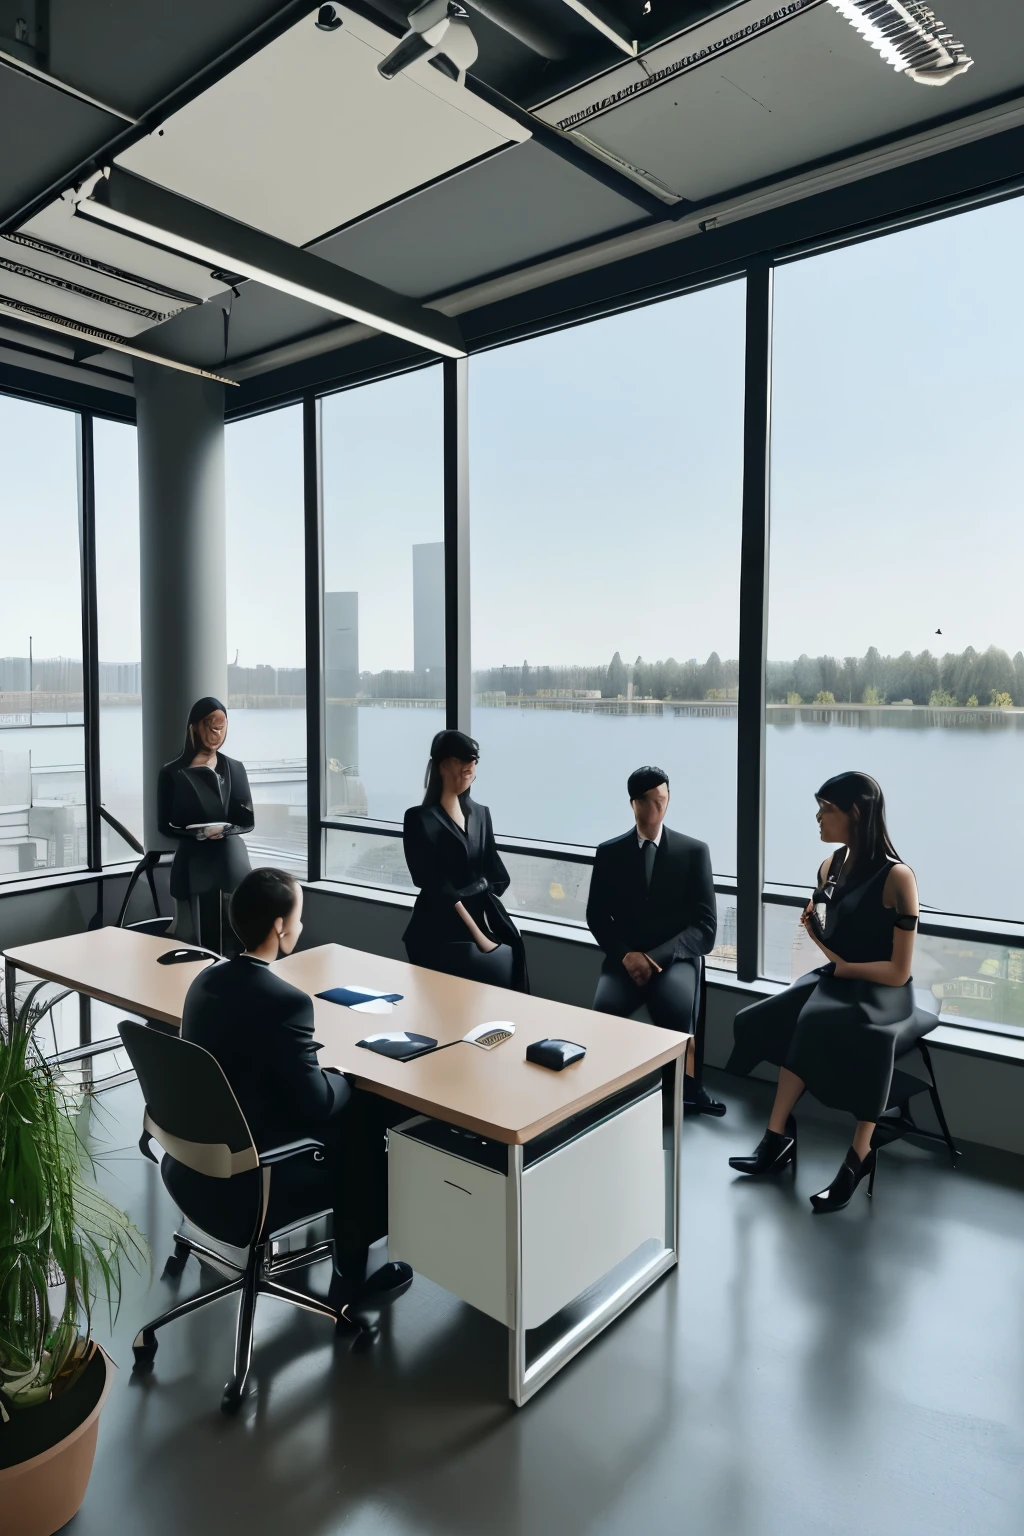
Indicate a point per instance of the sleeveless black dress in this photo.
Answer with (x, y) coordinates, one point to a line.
(840, 1036)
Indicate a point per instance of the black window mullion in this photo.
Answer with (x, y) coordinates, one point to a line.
(90, 637)
(458, 673)
(750, 769)
(313, 522)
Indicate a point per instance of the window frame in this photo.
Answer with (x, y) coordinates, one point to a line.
(751, 892)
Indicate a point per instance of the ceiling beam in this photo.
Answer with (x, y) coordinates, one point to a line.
(149, 212)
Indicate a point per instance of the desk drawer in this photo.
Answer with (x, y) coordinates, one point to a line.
(446, 1217)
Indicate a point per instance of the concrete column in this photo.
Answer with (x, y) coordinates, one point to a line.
(182, 558)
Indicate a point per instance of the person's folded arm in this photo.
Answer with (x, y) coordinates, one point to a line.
(164, 806)
(497, 877)
(600, 919)
(307, 1093)
(697, 936)
(422, 858)
(244, 817)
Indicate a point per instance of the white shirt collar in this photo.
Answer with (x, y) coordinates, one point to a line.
(655, 840)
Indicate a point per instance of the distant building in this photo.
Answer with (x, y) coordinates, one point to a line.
(428, 609)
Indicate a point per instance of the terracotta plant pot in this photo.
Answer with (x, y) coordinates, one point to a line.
(41, 1494)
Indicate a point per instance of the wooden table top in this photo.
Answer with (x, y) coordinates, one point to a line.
(114, 965)
(496, 1093)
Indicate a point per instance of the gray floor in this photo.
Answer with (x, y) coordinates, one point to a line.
(858, 1373)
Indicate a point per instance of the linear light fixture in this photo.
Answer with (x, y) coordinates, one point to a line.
(909, 36)
(149, 212)
(105, 339)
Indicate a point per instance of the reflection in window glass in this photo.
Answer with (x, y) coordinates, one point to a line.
(366, 858)
(120, 647)
(606, 487)
(266, 629)
(42, 750)
(384, 659)
(896, 636)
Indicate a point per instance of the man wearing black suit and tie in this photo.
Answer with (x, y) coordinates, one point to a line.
(652, 910)
(260, 1029)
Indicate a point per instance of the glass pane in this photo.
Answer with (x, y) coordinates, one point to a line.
(120, 646)
(366, 858)
(266, 629)
(384, 683)
(606, 485)
(974, 982)
(897, 540)
(42, 750)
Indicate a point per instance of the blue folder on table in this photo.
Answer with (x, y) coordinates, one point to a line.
(349, 998)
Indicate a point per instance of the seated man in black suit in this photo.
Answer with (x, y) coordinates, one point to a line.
(260, 1029)
(652, 910)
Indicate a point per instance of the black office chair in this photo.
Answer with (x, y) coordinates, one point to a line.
(146, 865)
(898, 1119)
(222, 1184)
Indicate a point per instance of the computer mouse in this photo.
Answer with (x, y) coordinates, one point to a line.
(185, 956)
(555, 1054)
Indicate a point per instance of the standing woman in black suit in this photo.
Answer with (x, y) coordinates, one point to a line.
(204, 803)
(459, 925)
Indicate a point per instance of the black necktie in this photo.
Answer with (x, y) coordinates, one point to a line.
(650, 850)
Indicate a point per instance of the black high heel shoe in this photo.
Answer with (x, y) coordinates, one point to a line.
(773, 1153)
(840, 1192)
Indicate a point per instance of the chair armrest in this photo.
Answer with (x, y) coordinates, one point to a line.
(289, 1149)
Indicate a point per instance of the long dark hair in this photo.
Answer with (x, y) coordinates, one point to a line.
(860, 792)
(199, 711)
(447, 744)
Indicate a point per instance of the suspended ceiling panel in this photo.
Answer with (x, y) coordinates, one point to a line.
(36, 126)
(789, 94)
(511, 209)
(307, 135)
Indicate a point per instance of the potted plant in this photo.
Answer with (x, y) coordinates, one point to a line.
(61, 1247)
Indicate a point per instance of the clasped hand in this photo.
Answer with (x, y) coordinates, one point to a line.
(638, 966)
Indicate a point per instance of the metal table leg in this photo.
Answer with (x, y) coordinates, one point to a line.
(524, 1380)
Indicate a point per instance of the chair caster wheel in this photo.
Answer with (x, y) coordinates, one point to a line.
(232, 1399)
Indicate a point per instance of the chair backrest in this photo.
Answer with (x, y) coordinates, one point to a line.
(190, 1108)
(146, 866)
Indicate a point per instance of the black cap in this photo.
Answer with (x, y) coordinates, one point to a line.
(454, 744)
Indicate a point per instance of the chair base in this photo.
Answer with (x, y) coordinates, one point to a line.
(260, 1276)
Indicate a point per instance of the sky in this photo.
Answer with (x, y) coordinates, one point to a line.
(606, 480)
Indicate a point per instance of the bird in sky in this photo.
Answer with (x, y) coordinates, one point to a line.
(938, 631)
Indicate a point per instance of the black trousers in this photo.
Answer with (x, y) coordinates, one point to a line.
(215, 930)
(352, 1181)
(668, 996)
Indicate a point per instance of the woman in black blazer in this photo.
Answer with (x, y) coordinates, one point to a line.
(458, 923)
(204, 803)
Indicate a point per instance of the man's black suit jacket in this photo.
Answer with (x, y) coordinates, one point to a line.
(675, 920)
(260, 1029)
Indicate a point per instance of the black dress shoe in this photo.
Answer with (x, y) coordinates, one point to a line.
(385, 1285)
(697, 1101)
(772, 1153)
(840, 1192)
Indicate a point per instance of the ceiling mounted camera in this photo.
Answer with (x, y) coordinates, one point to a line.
(439, 30)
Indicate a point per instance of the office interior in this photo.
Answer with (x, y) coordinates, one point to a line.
(374, 401)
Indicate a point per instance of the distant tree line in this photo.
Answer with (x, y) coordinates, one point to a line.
(669, 679)
(968, 678)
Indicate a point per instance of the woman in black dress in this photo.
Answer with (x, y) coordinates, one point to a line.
(204, 803)
(838, 1029)
(458, 923)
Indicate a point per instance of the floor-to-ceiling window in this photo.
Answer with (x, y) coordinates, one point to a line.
(896, 633)
(605, 504)
(42, 752)
(384, 611)
(266, 629)
(115, 457)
